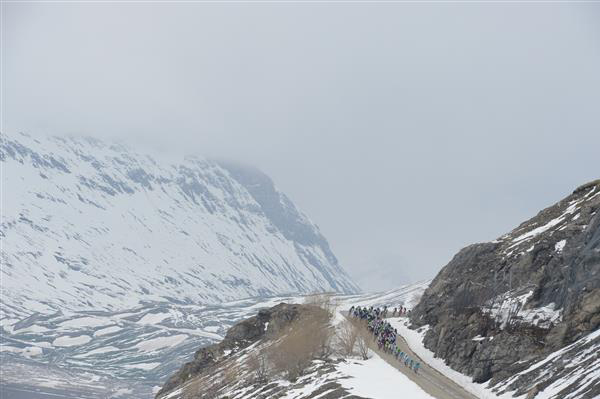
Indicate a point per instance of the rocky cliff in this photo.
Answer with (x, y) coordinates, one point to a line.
(523, 312)
(88, 224)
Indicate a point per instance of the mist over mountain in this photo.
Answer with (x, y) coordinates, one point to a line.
(95, 225)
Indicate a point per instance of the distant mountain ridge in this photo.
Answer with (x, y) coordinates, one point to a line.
(89, 224)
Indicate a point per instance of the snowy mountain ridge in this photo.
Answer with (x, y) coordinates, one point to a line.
(92, 225)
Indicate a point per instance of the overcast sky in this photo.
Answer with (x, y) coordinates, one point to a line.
(405, 131)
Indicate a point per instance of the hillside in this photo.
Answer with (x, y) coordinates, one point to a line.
(94, 225)
(131, 353)
(297, 351)
(522, 313)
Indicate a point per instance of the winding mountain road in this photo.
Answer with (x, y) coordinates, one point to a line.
(430, 380)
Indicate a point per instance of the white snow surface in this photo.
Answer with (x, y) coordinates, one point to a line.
(154, 344)
(106, 331)
(71, 341)
(84, 322)
(27, 352)
(524, 239)
(105, 349)
(511, 307)
(588, 374)
(570, 210)
(143, 366)
(154, 318)
(374, 378)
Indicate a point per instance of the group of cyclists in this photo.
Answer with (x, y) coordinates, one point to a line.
(383, 333)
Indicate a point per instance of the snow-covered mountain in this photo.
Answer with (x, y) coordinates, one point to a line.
(94, 225)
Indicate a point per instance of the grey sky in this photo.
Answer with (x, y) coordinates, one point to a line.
(406, 131)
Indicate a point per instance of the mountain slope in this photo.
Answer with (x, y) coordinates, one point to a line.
(91, 225)
(255, 357)
(522, 313)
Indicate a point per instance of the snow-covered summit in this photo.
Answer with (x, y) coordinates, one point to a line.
(88, 224)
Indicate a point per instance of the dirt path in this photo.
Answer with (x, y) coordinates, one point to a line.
(429, 379)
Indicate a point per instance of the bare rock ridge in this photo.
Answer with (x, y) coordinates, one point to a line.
(109, 228)
(523, 311)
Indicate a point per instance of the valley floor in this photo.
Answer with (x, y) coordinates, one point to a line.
(24, 392)
(137, 337)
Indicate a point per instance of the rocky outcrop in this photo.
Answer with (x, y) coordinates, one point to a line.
(266, 324)
(499, 307)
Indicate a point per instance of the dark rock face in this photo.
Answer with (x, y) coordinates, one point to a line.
(534, 291)
(267, 323)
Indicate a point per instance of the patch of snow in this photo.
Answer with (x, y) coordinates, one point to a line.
(593, 196)
(71, 341)
(84, 322)
(174, 394)
(33, 329)
(212, 329)
(371, 379)
(142, 366)
(106, 331)
(558, 247)
(161, 342)
(543, 316)
(154, 318)
(588, 373)
(539, 230)
(122, 392)
(105, 349)
(505, 306)
(29, 351)
(8, 348)
(41, 344)
(7, 324)
(510, 308)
